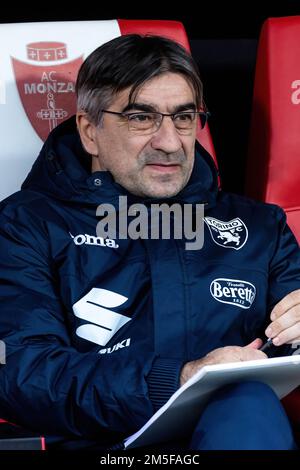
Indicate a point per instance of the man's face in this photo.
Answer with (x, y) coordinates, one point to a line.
(154, 165)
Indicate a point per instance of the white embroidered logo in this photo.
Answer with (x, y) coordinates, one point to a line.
(233, 291)
(85, 239)
(123, 344)
(232, 234)
(104, 323)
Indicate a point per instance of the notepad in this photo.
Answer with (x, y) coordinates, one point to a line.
(181, 413)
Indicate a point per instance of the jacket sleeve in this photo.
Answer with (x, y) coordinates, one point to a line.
(46, 384)
(284, 272)
(284, 268)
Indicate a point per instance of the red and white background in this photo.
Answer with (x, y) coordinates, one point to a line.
(38, 68)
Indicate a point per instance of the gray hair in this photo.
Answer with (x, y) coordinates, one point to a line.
(129, 62)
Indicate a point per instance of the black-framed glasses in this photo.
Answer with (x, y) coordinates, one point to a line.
(144, 123)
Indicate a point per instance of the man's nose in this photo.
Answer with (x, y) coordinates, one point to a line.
(166, 138)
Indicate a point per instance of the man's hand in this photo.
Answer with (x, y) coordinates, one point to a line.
(285, 318)
(221, 356)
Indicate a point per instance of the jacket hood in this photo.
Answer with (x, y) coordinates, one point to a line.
(62, 171)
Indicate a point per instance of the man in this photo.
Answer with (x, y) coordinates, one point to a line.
(100, 332)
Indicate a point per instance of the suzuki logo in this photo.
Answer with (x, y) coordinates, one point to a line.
(95, 307)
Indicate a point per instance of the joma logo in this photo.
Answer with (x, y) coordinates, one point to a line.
(85, 239)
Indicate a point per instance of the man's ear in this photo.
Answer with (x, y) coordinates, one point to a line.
(87, 132)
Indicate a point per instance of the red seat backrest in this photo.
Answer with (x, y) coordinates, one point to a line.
(273, 172)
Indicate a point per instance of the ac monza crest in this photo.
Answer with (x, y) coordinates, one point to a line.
(47, 86)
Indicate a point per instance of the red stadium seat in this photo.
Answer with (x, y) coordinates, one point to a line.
(273, 173)
(14, 437)
(274, 150)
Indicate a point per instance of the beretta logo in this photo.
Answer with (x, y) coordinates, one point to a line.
(233, 291)
(46, 84)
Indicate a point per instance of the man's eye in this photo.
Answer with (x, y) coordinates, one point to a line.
(184, 117)
(140, 117)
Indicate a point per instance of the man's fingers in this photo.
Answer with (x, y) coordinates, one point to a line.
(290, 319)
(256, 344)
(288, 335)
(290, 300)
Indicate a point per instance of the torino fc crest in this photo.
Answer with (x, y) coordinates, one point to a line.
(46, 84)
(231, 234)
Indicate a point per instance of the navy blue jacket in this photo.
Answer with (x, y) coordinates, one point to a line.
(97, 330)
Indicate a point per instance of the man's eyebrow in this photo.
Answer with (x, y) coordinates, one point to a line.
(139, 107)
(185, 107)
(148, 108)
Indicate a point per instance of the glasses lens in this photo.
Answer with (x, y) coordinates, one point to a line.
(184, 121)
(143, 122)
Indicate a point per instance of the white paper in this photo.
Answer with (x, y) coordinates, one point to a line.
(182, 411)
